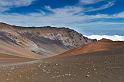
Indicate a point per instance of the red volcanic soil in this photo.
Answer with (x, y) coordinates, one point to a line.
(101, 45)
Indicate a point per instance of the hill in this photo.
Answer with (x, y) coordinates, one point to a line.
(99, 46)
(38, 42)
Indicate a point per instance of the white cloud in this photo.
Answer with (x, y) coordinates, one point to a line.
(110, 4)
(90, 8)
(120, 15)
(66, 10)
(86, 2)
(6, 4)
(113, 37)
(61, 16)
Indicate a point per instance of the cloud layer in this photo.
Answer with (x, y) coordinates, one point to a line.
(114, 37)
(87, 2)
(60, 16)
(7, 4)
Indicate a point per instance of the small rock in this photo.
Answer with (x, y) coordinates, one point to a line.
(87, 75)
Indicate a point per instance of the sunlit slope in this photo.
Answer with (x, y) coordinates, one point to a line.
(100, 46)
(17, 51)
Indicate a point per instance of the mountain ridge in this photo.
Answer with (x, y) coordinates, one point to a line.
(46, 41)
(99, 46)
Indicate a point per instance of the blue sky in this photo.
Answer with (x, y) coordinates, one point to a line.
(90, 17)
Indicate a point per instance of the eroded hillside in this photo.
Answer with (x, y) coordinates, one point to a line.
(38, 42)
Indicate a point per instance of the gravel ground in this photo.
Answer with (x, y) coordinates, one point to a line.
(98, 67)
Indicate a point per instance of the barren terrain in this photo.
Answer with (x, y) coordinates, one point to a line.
(104, 65)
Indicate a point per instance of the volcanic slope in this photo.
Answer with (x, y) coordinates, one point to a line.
(102, 45)
(38, 42)
(102, 61)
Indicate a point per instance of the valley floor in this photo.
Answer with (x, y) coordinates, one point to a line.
(98, 67)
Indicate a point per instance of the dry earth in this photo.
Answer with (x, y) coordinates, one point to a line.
(104, 65)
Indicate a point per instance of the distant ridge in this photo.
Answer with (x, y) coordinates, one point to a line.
(105, 40)
(99, 46)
